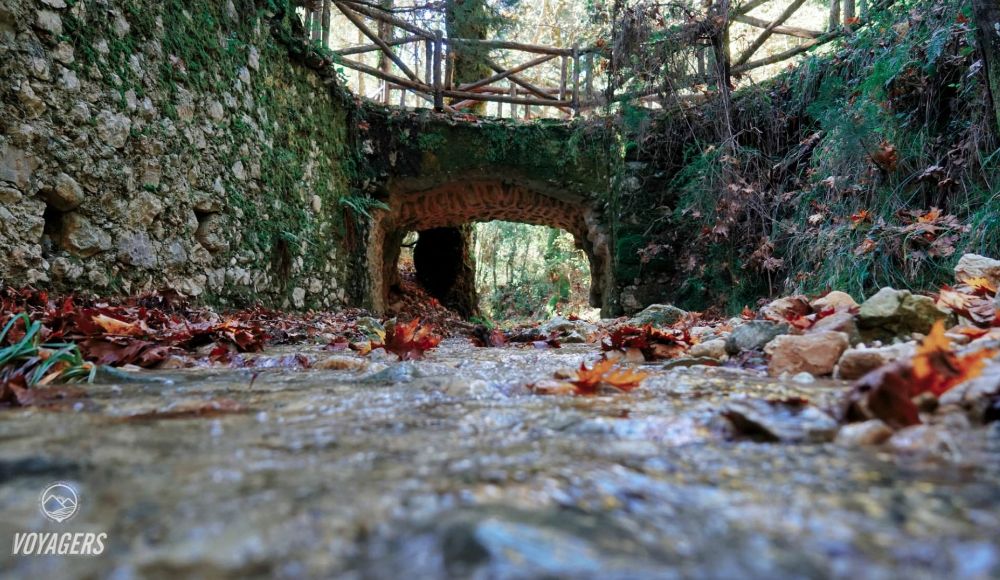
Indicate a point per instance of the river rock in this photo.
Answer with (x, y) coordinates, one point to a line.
(840, 321)
(858, 362)
(569, 330)
(714, 349)
(873, 432)
(340, 363)
(779, 421)
(923, 439)
(753, 335)
(835, 300)
(787, 308)
(979, 396)
(891, 313)
(816, 353)
(658, 315)
(976, 266)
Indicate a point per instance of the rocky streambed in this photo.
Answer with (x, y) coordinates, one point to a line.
(451, 467)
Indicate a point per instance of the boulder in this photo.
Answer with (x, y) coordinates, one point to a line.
(976, 266)
(65, 194)
(815, 353)
(753, 335)
(212, 234)
(113, 128)
(891, 313)
(658, 315)
(82, 238)
(836, 300)
(49, 21)
(16, 166)
(858, 362)
(136, 250)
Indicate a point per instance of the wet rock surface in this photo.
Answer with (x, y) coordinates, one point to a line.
(450, 467)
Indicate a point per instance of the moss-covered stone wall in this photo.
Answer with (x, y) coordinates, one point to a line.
(170, 143)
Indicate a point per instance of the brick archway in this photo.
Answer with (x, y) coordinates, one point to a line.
(461, 202)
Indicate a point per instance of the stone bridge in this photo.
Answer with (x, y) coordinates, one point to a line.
(442, 175)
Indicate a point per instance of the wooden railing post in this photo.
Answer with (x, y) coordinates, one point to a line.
(589, 92)
(576, 81)
(438, 95)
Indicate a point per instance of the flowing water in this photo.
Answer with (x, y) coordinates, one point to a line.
(449, 467)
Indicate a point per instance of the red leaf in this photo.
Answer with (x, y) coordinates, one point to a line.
(410, 340)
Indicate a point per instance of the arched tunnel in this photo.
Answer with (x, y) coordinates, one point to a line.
(443, 214)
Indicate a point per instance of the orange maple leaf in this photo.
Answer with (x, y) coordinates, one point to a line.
(116, 327)
(936, 368)
(981, 286)
(862, 216)
(409, 340)
(931, 215)
(589, 381)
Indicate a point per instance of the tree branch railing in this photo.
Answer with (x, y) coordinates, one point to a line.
(437, 84)
(430, 78)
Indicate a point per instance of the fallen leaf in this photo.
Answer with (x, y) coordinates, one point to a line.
(409, 340)
(588, 381)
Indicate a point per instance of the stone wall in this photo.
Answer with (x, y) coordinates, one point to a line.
(149, 144)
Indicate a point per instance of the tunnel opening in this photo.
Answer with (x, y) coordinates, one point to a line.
(498, 270)
(530, 272)
(494, 248)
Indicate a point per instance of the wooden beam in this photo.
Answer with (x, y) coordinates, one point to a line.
(756, 44)
(518, 80)
(388, 18)
(356, 20)
(507, 45)
(371, 47)
(506, 73)
(358, 66)
(785, 30)
(785, 55)
(438, 97)
(504, 99)
(749, 6)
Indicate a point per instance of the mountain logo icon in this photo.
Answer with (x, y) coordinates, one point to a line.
(59, 502)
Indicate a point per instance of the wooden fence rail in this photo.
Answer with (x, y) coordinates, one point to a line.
(432, 78)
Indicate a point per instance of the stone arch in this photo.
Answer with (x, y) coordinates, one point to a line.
(458, 202)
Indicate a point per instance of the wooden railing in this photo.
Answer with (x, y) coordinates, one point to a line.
(434, 81)
(428, 71)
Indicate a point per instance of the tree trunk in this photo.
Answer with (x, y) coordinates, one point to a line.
(987, 14)
(468, 19)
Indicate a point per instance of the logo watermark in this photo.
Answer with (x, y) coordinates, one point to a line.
(59, 502)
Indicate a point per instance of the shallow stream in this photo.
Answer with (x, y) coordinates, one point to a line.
(451, 467)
